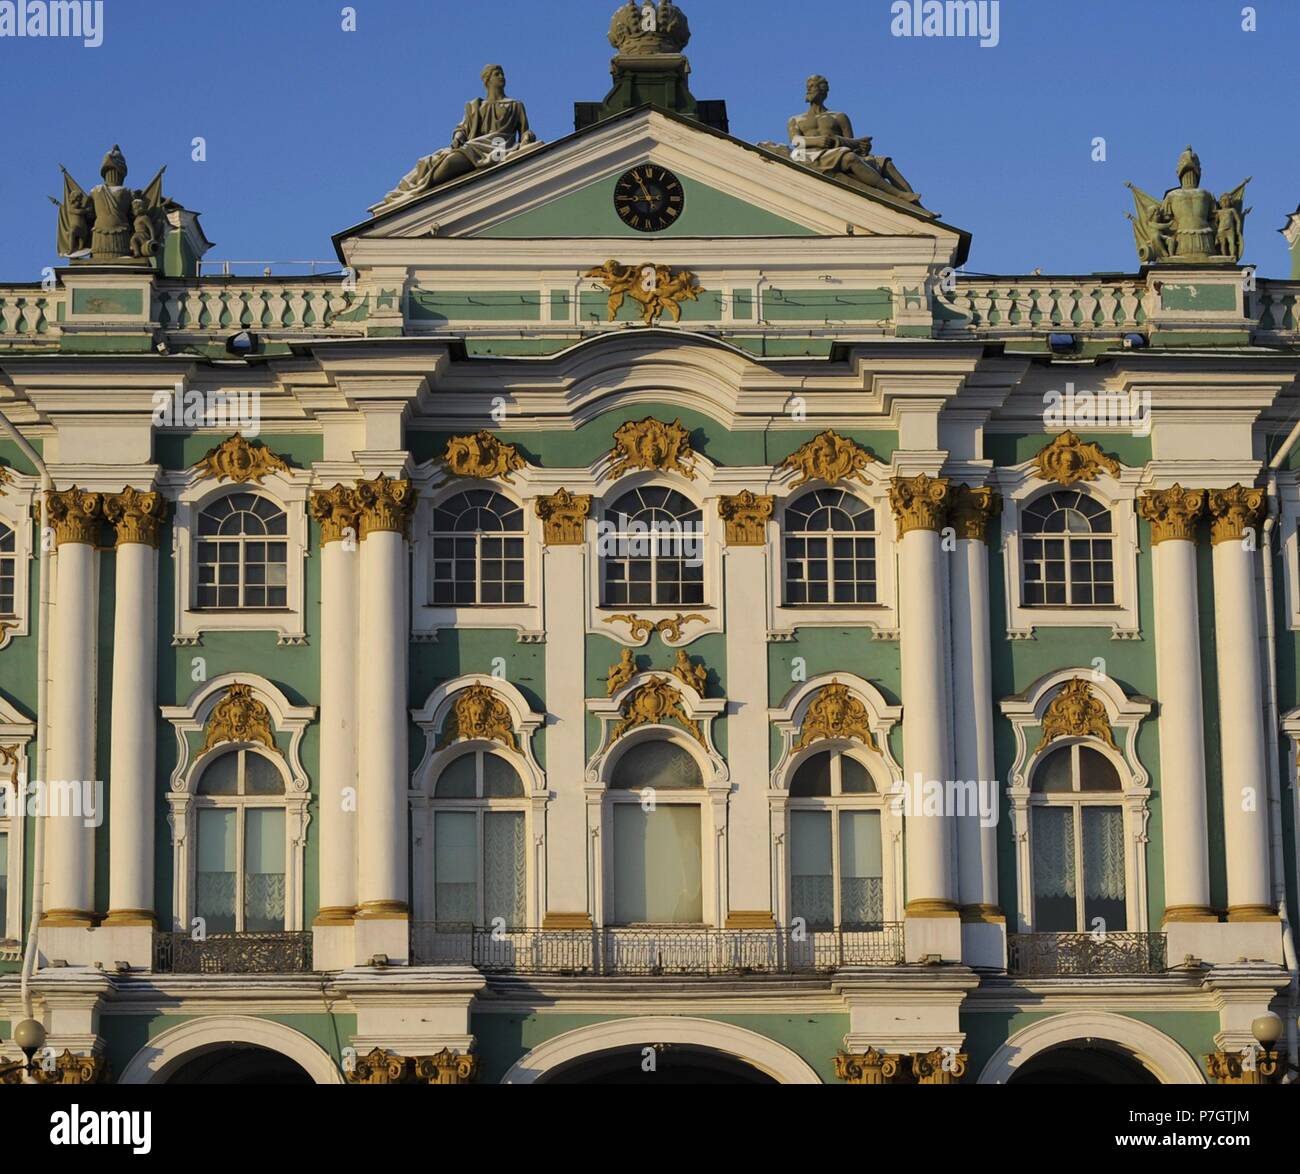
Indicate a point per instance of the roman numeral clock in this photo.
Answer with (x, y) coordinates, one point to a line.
(649, 198)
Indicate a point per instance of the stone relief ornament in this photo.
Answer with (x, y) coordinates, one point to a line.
(1233, 511)
(386, 505)
(1172, 512)
(620, 672)
(1068, 460)
(829, 457)
(482, 457)
(239, 717)
(869, 1067)
(241, 462)
(656, 288)
(671, 630)
(640, 29)
(494, 129)
(480, 715)
(6, 478)
(689, 673)
(136, 517)
(447, 1067)
(72, 1069)
(377, 1067)
(564, 516)
(1189, 224)
(746, 515)
(338, 513)
(75, 515)
(919, 503)
(652, 445)
(114, 224)
(1076, 713)
(971, 510)
(835, 713)
(655, 703)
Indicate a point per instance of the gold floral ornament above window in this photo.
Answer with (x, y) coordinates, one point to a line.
(482, 457)
(241, 462)
(1076, 713)
(829, 457)
(652, 445)
(239, 717)
(1068, 460)
(835, 713)
(652, 704)
(479, 715)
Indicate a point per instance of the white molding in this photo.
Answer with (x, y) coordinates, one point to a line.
(17, 731)
(16, 512)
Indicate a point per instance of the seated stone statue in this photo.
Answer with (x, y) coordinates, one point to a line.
(493, 129)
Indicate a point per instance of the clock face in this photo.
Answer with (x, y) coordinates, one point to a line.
(649, 198)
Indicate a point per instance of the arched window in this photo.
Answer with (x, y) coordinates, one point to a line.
(1077, 843)
(836, 859)
(480, 861)
(478, 551)
(1069, 552)
(653, 540)
(657, 845)
(8, 572)
(240, 859)
(243, 557)
(830, 549)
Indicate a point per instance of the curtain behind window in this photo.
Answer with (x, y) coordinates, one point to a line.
(862, 894)
(264, 869)
(1103, 868)
(214, 899)
(1055, 910)
(657, 866)
(505, 866)
(812, 894)
(455, 853)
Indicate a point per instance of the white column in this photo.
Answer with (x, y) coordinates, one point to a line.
(1173, 515)
(70, 841)
(336, 512)
(136, 518)
(1236, 515)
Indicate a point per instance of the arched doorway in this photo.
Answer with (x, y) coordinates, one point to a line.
(657, 1064)
(1083, 1062)
(240, 1064)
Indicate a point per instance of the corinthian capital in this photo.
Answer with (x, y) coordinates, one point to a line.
(1234, 511)
(385, 506)
(75, 515)
(136, 517)
(919, 503)
(971, 510)
(1172, 512)
(338, 513)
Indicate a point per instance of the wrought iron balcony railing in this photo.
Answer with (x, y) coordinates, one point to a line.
(233, 953)
(1061, 955)
(653, 951)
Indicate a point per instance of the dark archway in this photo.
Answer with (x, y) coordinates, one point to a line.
(1083, 1062)
(657, 1064)
(239, 1064)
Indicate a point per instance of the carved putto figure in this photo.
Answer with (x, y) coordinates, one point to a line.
(689, 673)
(620, 672)
(114, 223)
(1189, 224)
(639, 29)
(656, 288)
(494, 129)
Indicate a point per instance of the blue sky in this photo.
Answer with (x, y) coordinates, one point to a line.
(306, 124)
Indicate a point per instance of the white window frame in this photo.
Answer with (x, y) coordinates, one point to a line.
(17, 732)
(1288, 490)
(16, 498)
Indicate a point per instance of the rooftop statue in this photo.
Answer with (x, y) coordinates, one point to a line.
(114, 223)
(1189, 225)
(493, 130)
(641, 29)
(824, 140)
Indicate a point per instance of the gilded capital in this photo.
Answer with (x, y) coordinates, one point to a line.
(564, 516)
(1172, 512)
(385, 506)
(135, 516)
(941, 1066)
(75, 515)
(746, 515)
(971, 509)
(447, 1067)
(870, 1067)
(1233, 512)
(338, 513)
(919, 503)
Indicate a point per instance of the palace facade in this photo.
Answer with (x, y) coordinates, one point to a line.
(649, 615)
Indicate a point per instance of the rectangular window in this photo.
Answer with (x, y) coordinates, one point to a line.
(811, 871)
(1103, 869)
(1055, 889)
(264, 870)
(8, 573)
(657, 879)
(862, 893)
(455, 852)
(504, 868)
(217, 863)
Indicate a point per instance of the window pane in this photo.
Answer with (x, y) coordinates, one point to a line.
(264, 869)
(4, 885)
(500, 779)
(1053, 775)
(813, 778)
(657, 765)
(455, 853)
(214, 898)
(457, 780)
(811, 894)
(1055, 910)
(1103, 868)
(854, 779)
(1096, 771)
(261, 777)
(504, 868)
(657, 866)
(862, 892)
(221, 776)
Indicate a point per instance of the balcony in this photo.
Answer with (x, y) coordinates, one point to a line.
(233, 953)
(698, 953)
(1069, 955)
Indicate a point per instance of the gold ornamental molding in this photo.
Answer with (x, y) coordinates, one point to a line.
(1076, 713)
(620, 672)
(338, 513)
(377, 1067)
(972, 509)
(136, 517)
(479, 714)
(385, 506)
(655, 703)
(835, 713)
(70, 1069)
(75, 515)
(1172, 512)
(381, 1067)
(1068, 460)
(6, 479)
(447, 1067)
(919, 503)
(655, 288)
(564, 516)
(240, 461)
(690, 673)
(1234, 1068)
(239, 717)
(870, 1067)
(1234, 511)
(746, 515)
(652, 445)
(828, 457)
(941, 1066)
(482, 457)
(639, 628)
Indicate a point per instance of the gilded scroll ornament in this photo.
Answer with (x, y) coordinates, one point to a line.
(70, 1069)
(919, 503)
(241, 462)
(1068, 460)
(1234, 1068)
(75, 515)
(690, 673)
(479, 714)
(447, 1067)
(378, 1067)
(835, 713)
(620, 672)
(971, 510)
(6, 478)
(869, 1067)
(1076, 713)
(1172, 512)
(564, 516)
(941, 1066)
(136, 517)
(656, 288)
(655, 703)
(482, 457)
(386, 506)
(338, 513)
(1233, 512)
(653, 445)
(829, 457)
(239, 717)
(746, 515)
